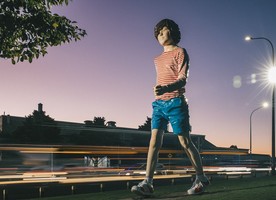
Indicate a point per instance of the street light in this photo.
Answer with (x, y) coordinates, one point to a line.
(263, 106)
(272, 79)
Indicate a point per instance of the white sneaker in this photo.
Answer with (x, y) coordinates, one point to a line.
(143, 189)
(198, 187)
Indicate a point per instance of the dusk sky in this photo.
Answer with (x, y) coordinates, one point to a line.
(110, 72)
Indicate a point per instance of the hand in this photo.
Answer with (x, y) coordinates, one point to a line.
(159, 90)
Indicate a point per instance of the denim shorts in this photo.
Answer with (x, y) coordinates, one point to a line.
(175, 111)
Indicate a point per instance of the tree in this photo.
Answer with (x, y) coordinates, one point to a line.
(28, 27)
(37, 129)
(99, 121)
(233, 147)
(146, 126)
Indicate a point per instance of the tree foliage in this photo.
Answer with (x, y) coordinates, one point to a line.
(37, 129)
(99, 121)
(146, 126)
(28, 27)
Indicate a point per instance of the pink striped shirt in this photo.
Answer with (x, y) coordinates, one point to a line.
(170, 67)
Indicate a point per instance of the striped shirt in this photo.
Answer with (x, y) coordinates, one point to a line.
(171, 67)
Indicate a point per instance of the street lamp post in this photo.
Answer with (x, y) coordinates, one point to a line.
(263, 106)
(272, 103)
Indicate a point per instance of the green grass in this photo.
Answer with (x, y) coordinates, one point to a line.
(261, 188)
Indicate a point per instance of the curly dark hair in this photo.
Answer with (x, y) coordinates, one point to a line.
(172, 26)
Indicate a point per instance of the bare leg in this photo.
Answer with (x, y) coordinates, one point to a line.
(153, 152)
(192, 152)
(145, 188)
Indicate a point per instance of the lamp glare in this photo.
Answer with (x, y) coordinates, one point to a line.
(272, 75)
(265, 104)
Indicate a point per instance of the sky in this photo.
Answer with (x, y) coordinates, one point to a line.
(110, 72)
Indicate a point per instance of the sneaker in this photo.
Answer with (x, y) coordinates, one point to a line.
(198, 187)
(143, 189)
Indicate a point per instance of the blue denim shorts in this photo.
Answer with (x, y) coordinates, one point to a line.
(175, 111)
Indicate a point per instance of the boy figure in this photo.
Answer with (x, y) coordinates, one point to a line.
(170, 105)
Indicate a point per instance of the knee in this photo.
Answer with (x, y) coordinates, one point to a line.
(154, 143)
(156, 139)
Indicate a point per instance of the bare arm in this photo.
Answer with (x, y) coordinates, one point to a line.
(159, 90)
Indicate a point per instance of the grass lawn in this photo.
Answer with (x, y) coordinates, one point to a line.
(261, 188)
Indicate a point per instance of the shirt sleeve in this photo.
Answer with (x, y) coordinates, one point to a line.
(183, 64)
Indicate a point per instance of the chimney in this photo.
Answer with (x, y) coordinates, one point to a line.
(88, 123)
(40, 105)
(111, 124)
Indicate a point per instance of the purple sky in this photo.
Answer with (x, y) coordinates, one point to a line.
(110, 73)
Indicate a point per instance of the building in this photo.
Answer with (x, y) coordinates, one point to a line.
(128, 145)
